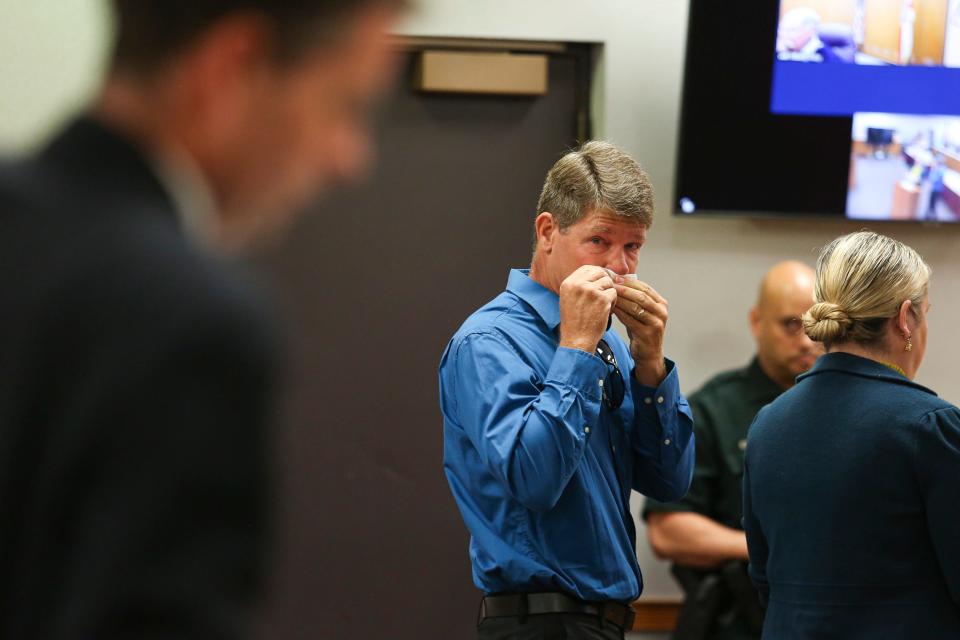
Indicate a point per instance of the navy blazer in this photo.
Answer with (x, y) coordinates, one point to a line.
(136, 390)
(852, 506)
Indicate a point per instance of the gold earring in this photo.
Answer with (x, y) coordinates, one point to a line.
(909, 345)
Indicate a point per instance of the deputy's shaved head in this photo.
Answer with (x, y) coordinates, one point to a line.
(785, 280)
(783, 349)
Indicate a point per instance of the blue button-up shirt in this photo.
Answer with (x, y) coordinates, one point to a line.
(540, 468)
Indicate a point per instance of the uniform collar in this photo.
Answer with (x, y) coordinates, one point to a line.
(863, 367)
(545, 302)
(762, 384)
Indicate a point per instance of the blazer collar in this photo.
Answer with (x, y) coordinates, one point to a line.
(107, 164)
(863, 367)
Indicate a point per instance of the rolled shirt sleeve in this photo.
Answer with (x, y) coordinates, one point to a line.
(663, 439)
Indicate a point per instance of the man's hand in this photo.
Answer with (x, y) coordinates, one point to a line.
(587, 298)
(643, 312)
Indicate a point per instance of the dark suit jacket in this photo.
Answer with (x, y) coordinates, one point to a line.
(135, 383)
(852, 506)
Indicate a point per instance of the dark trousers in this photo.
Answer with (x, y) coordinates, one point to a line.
(549, 626)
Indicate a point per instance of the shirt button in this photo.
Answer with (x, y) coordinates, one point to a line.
(667, 442)
(600, 382)
(660, 400)
(586, 429)
(613, 448)
(647, 400)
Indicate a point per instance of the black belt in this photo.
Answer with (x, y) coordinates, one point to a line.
(531, 604)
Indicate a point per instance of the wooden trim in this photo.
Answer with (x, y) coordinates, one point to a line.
(656, 614)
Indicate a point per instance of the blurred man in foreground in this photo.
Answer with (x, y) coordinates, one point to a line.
(138, 370)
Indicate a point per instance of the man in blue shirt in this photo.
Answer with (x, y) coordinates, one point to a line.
(550, 419)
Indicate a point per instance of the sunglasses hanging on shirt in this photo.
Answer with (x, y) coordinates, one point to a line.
(613, 385)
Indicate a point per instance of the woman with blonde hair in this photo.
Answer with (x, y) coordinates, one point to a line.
(852, 477)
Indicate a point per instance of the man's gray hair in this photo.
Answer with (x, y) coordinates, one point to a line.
(599, 176)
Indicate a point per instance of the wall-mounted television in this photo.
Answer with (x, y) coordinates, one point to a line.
(821, 108)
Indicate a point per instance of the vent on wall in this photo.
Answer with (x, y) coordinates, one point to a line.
(481, 72)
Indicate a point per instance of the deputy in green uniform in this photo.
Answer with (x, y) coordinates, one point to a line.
(702, 533)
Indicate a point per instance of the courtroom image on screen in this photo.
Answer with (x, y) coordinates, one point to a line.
(904, 167)
(841, 57)
(869, 32)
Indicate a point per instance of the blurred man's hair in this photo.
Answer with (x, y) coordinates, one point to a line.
(150, 32)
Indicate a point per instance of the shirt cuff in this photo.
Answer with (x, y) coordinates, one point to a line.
(582, 371)
(656, 403)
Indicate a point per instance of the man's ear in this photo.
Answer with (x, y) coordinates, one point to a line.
(222, 69)
(754, 317)
(546, 230)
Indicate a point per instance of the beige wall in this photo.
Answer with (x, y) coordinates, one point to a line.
(708, 269)
(50, 56)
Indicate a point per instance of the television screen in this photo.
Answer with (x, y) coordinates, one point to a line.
(830, 108)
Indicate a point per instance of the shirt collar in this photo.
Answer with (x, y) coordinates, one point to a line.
(864, 367)
(190, 193)
(545, 302)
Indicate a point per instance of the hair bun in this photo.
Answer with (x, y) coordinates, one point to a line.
(826, 322)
